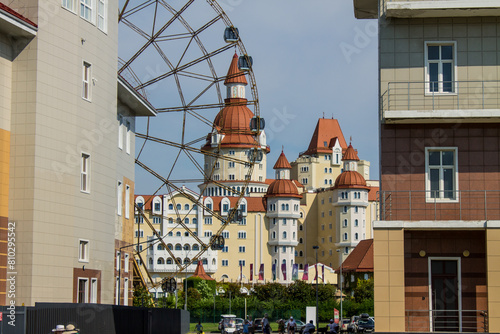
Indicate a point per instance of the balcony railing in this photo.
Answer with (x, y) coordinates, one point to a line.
(451, 95)
(448, 205)
(462, 321)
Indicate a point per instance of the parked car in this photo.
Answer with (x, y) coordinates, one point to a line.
(344, 327)
(353, 324)
(227, 324)
(257, 325)
(365, 325)
(300, 326)
(239, 324)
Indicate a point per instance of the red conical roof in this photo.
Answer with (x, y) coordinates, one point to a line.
(350, 154)
(200, 272)
(235, 75)
(282, 162)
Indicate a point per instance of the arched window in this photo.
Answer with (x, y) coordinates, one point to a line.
(179, 207)
(345, 236)
(196, 247)
(150, 261)
(170, 234)
(160, 261)
(186, 260)
(169, 260)
(356, 222)
(170, 246)
(160, 247)
(195, 207)
(186, 234)
(186, 206)
(170, 206)
(287, 207)
(301, 227)
(179, 260)
(301, 266)
(282, 206)
(300, 240)
(214, 262)
(178, 247)
(284, 235)
(186, 247)
(195, 221)
(345, 222)
(205, 261)
(178, 233)
(301, 253)
(355, 236)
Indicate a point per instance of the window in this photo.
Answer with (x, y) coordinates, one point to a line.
(346, 250)
(127, 201)
(186, 207)
(83, 288)
(139, 219)
(156, 220)
(356, 208)
(440, 67)
(322, 227)
(178, 234)
(231, 164)
(241, 263)
(441, 173)
(170, 206)
(69, 5)
(225, 234)
(304, 181)
(119, 195)
(231, 177)
(101, 15)
(86, 10)
(93, 290)
(284, 221)
(127, 138)
(356, 223)
(345, 223)
(345, 209)
(231, 153)
(242, 249)
(345, 236)
(85, 173)
(126, 263)
(139, 234)
(186, 220)
(284, 235)
(225, 249)
(355, 236)
(157, 206)
(225, 263)
(87, 74)
(300, 240)
(225, 207)
(208, 221)
(242, 235)
(330, 213)
(217, 165)
(273, 235)
(83, 251)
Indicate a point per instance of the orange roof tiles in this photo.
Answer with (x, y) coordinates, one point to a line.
(326, 129)
(200, 272)
(148, 199)
(234, 116)
(350, 154)
(234, 74)
(282, 162)
(360, 259)
(350, 179)
(372, 194)
(283, 188)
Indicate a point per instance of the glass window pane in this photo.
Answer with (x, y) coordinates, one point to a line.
(448, 182)
(447, 77)
(448, 158)
(434, 178)
(434, 158)
(433, 52)
(433, 76)
(446, 52)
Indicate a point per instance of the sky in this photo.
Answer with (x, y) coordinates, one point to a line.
(311, 59)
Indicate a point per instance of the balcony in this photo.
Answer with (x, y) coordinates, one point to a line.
(433, 102)
(466, 205)
(441, 8)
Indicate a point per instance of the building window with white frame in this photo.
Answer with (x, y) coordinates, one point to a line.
(125, 292)
(241, 249)
(120, 132)
(87, 75)
(86, 10)
(83, 289)
(119, 194)
(127, 137)
(225, 263)
(85, 173)
(440, 67)
(127, 201)
(441, 173)
(102, 15)
(93, 290)
(69, 5)
(126, 263)
(83, 251)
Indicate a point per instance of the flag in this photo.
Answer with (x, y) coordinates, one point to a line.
(305, 276)
(273, 270)
(261, 272)
(251, 272)
(295, 272)
(316, 276)
(323, 273)
(283, 270)
(336, 314)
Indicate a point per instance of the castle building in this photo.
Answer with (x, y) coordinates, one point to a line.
(67, 133)
(436, 242)
(281, 218)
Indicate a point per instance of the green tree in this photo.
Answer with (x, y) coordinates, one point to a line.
(363, 290)
(142, 297)
(205, 291)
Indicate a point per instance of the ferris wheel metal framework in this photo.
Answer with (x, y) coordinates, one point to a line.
(194, 108)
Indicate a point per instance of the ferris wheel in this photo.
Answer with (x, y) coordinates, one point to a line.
(173, 53)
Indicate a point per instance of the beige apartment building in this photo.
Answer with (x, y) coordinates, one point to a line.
(436, 243)
(67, 132)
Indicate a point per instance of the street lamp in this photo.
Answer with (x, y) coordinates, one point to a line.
(316, 249)
(341, 278)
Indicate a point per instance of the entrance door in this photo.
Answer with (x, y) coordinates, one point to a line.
(445, 295)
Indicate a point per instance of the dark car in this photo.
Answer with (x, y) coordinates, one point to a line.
(257, 325)
(365, 325)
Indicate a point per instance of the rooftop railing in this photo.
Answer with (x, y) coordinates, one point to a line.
(448, 95)
(440, 205)
(462, 321)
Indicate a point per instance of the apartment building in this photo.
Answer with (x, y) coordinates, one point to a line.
(436, 243)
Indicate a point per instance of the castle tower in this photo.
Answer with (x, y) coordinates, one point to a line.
(283, 210)
(231, 135)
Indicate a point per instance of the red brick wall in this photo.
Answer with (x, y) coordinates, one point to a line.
(403, 169)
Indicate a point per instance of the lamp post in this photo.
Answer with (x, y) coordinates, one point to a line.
(316, 249)
(341, 279)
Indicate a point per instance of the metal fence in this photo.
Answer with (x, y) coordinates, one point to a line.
(465, 321)
(432, 205)
(453, 95)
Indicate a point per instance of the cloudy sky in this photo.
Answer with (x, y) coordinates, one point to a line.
(311, 58)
